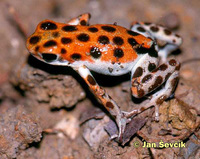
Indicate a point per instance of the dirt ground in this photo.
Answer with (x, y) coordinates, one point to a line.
(48, 111)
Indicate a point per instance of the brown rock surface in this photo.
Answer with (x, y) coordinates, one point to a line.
(55, 94)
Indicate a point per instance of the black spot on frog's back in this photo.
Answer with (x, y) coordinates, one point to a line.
(34, 40)
(50, 43)
(95, 52)
(118, 40)
(83, 37)
(108, 28)
(69, 28)
(76, 56)
(130, 32)
(118, 53)
(103, 39)
(93, 29)
(48, 26)
(151, 51)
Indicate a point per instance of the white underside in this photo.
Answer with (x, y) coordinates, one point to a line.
(106, 68)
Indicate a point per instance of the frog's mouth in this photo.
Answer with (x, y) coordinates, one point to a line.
(51, 58)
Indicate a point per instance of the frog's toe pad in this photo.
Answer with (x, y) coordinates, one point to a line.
(131, 128)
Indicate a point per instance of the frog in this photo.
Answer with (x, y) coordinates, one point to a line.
(112, 50)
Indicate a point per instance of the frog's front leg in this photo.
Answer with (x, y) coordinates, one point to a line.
(82, 19)
(145, 79)
(106, 100)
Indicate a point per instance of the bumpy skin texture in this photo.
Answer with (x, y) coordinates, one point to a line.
(111, 50)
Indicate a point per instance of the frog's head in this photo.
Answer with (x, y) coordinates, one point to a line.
(44, 42)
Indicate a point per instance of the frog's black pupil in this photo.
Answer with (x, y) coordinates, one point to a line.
(49, 57)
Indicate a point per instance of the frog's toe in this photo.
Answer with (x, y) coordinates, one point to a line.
(114, 136)
(128, 115)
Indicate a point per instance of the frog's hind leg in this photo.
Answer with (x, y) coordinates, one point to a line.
(82, 19)
(106, 100)
(146, 77)
(158, 32)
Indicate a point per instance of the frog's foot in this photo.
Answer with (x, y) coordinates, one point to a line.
(126, 118)
(129, 115)
(128, 126)
(114, 136)
(121, 122)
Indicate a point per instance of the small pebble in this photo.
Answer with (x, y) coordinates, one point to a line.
(171, 21)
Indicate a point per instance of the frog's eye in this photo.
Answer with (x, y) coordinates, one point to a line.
(48, 57)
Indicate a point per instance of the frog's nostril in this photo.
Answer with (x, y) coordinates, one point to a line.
(48, 57)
